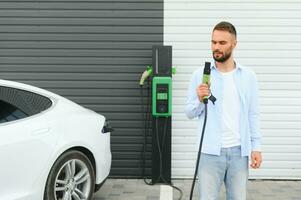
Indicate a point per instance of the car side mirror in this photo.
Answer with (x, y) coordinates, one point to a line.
(107, 128)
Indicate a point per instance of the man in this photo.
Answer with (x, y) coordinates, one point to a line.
(232, 130)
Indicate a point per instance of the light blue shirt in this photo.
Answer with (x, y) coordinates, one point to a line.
(247, 87)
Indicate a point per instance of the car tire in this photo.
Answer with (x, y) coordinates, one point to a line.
(71, 177)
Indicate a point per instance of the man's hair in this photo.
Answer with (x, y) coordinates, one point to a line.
(225, 26)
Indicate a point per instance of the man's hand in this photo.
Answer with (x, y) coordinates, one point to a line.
(256, 159)
(202, 91)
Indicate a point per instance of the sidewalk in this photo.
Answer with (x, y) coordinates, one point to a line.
(136, 189)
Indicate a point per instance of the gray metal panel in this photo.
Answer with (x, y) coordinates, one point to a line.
(92, 52)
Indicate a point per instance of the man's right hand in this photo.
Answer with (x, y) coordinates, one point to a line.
(202, 91)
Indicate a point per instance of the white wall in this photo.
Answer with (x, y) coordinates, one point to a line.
(269, 41)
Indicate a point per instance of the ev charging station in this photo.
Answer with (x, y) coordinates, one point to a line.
(161, 111)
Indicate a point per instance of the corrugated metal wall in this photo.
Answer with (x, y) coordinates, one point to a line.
(91, 52)
(269, 37)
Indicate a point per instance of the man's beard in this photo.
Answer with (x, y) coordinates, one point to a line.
(223, 58)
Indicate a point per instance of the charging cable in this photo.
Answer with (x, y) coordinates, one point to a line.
(200, 149)
(160, 149)
(146, 129)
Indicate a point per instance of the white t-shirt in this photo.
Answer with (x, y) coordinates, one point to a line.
(231, 110)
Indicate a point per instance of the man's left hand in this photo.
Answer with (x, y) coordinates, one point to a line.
(256, 159)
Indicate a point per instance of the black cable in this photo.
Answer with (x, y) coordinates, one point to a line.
(144, 142)
(160, 152)
(165, 133)
(160, 157)
(145, 115)
(199, 153)
(148, 118)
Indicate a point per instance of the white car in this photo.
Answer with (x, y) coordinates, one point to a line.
(50, 148)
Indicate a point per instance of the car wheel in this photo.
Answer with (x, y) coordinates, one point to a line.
(71, 178)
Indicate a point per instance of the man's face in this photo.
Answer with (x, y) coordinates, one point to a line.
(222, 45)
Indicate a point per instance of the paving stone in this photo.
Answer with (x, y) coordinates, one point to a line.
(136, 189)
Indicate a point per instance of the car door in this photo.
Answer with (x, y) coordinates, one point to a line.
(25, 143)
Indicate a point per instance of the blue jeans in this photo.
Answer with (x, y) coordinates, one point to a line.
(230, 167)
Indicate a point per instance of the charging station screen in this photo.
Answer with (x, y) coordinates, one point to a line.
(162, 96)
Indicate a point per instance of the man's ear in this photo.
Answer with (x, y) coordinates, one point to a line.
(234, 43)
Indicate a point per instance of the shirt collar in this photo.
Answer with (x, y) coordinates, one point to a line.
(237, 65)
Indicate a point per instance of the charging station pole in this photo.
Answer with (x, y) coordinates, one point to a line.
(161, 113)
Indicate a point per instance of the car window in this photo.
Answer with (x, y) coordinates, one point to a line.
(17, 104)
(9, 112)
